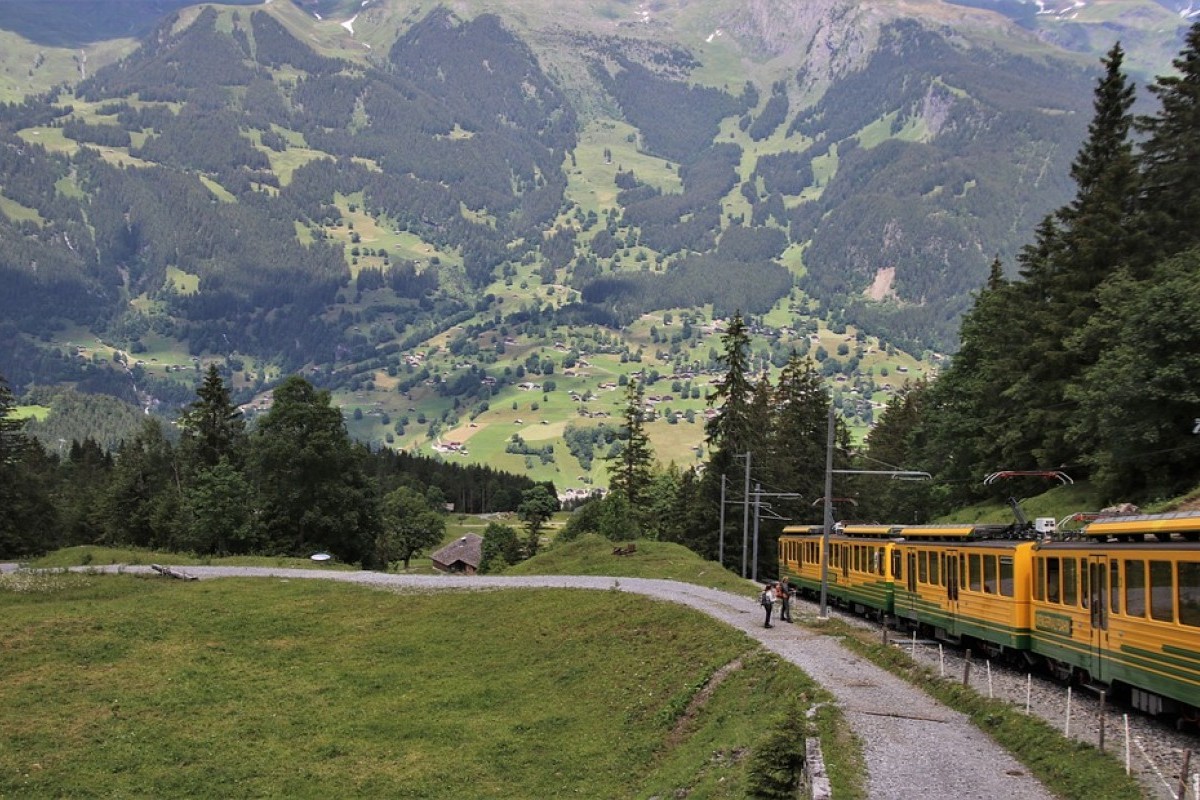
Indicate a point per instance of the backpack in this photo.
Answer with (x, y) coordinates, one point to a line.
(766, 598)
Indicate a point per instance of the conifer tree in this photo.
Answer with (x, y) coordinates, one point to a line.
(1170, 157)
(730, 431)
(1139, 405)
(966, 428)
(1075, 252)
(19, 496)
(630, 472)
(728, 434)
(799, 421)
(212, 426)
(314, 490)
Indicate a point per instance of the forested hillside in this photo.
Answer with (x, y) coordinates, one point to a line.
(1087, 361)
(473, 228)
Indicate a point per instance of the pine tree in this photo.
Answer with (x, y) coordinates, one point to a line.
(1139, 404)
(1075, 252)
(799, 421)
(630, 472)
(731, 430)
(212, 427)
(1170, 157)
(966, 428)
(314, 491)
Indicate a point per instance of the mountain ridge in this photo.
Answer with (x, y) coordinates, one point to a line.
(463, 179)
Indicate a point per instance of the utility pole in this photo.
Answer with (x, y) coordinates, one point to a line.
(903, 474)
(721, 534)
(828, 522)
(746, 513)
(757, 505)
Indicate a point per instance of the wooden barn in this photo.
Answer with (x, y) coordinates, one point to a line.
(462, 555)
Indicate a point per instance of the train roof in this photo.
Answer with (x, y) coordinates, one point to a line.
(941, 532)
(1125, 524)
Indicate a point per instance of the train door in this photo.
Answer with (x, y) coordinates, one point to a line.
(910, 583)
(955, 564)
(1096, 596)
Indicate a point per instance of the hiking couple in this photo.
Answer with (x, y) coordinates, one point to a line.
(776, 592)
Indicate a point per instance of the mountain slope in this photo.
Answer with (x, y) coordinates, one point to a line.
(424, 209)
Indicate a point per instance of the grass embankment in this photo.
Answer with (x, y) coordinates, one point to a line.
(121, 685)
(95, 555)
(1070, 769)
(592, 555)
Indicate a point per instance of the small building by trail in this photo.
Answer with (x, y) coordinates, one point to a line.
(462, 555)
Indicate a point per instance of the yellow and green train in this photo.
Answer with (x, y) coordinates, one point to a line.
(1118, 606)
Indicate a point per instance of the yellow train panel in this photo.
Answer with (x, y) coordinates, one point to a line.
(1182, 523)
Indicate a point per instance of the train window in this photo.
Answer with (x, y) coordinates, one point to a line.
(1189, 593)
(989, 574)
(974, 572)
(1053, 571)
(1006, 576)
(1135, 588)
(1162, 594)
(879, 560)
(1039, 579)
(1070, 572)
(1084, 593)
(1114, 583)
(897, 563)
(923, 567)
(934, 562)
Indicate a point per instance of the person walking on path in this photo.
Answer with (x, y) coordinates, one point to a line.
(783, 591)
(767, 600)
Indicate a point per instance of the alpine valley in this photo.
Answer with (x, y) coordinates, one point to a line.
(473, 222)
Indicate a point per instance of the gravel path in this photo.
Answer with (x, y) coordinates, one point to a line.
(915, 747)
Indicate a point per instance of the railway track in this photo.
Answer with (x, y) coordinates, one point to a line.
(1157, 748)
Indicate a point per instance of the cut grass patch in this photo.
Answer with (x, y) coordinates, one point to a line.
(127, 686)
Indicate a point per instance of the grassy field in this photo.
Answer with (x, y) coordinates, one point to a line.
(120, 686)
(592, 555)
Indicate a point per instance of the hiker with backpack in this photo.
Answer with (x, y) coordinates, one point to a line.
(767, 600)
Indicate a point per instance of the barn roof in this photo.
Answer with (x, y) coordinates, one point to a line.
(468, 550)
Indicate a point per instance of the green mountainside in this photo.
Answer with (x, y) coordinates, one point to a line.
(474, 225)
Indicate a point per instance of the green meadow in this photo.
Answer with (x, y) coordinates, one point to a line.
(124, 686)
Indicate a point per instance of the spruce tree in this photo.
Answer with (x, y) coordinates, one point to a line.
(212, 426)
(1074, 253)
(15, 534)
(728, 435)
(630, 472)
(799, 422)
(311, 479)
(731, 430)
(967, 427)
(1139, 403)
(1170, 157)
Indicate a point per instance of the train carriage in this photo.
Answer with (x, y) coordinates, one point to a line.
(859, 575)
(1125, 614)
(973, 591)
(1108, 607)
